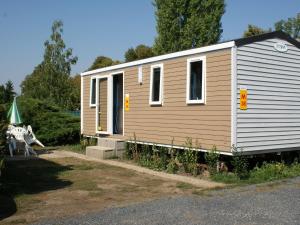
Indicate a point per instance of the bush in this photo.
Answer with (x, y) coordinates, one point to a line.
(146, 156)
(271, 171)
(87, 141)
(212, 159)
(172, 166)
(188, 157)
(1, 164)
(50, 124)
(239, 163)
(3, 127)
(128, 150)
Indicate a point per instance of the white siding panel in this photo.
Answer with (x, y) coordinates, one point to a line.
(272, 78)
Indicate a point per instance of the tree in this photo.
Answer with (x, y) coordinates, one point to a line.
(290, 26)
(50, 79)
(254, 30)
(185, 24)
(74, 97)
(7, 92)
(2, 89)
(140, 52)
(103, 61)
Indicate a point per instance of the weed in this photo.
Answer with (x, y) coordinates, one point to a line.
(134, 148)
(267, 172)
(172, 166)
(240, 163)
(184, 186)
(212, 158)
(188, 157)
(128, 150)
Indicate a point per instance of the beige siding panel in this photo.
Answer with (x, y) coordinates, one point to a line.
(210, 124)
(89, 120)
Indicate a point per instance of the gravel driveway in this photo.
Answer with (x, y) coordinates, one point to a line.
(257, 204)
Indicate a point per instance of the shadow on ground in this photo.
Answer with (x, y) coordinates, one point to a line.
(28, 177)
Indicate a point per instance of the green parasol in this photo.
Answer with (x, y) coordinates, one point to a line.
(13, 113)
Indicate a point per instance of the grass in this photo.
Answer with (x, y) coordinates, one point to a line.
(267, 172)
(68, 186)
(184, 186)
(74, 148)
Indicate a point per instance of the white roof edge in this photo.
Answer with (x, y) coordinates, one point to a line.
(209, 48)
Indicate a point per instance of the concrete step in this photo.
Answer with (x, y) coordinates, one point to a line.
(116, 144)
(100, 152)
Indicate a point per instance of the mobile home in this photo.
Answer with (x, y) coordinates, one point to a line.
(244, 92)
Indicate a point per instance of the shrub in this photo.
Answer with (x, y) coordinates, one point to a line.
(128, 150)
(146, 156)
(239, 163)
(172, 166)
(51, 125)
(3, 127)
(134, 148)
(1, 164)
(87, 141)
(212, 158)
(269, 172)
(188, 157)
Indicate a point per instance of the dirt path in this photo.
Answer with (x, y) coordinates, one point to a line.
(201, 183)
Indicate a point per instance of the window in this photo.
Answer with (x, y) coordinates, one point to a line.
(156, 84)
(196, 72)
(93, 92)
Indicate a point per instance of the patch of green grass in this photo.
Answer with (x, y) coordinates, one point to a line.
(85, 185)
(15, 222)
(267, 172)
(184, 186)
(77, 148)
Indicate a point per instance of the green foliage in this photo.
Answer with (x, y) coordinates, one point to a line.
(51, 80)
(160, 158)
(134, 146)
(128, 150)
(274, 171)
(290, 26)
(188, 157)
(186, 24)
(212, 159)
(240, 163)
(87, 141)
(140, 52)
(51, 125)
(3, 127)
(146, 156)
(172, 166)
(253, 30)
(267, 172)
(7, 92)
(103, 61)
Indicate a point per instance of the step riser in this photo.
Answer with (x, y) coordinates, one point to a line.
(99, 154)
(109, 143)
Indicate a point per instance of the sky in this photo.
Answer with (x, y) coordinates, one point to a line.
(97, 27)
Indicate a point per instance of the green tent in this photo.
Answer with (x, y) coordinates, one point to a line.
(13, 113)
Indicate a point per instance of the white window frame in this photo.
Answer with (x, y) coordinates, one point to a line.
(188, 83)
(91, 88)
(161, 66)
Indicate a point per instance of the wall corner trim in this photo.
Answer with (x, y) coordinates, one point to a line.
(233, 96)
